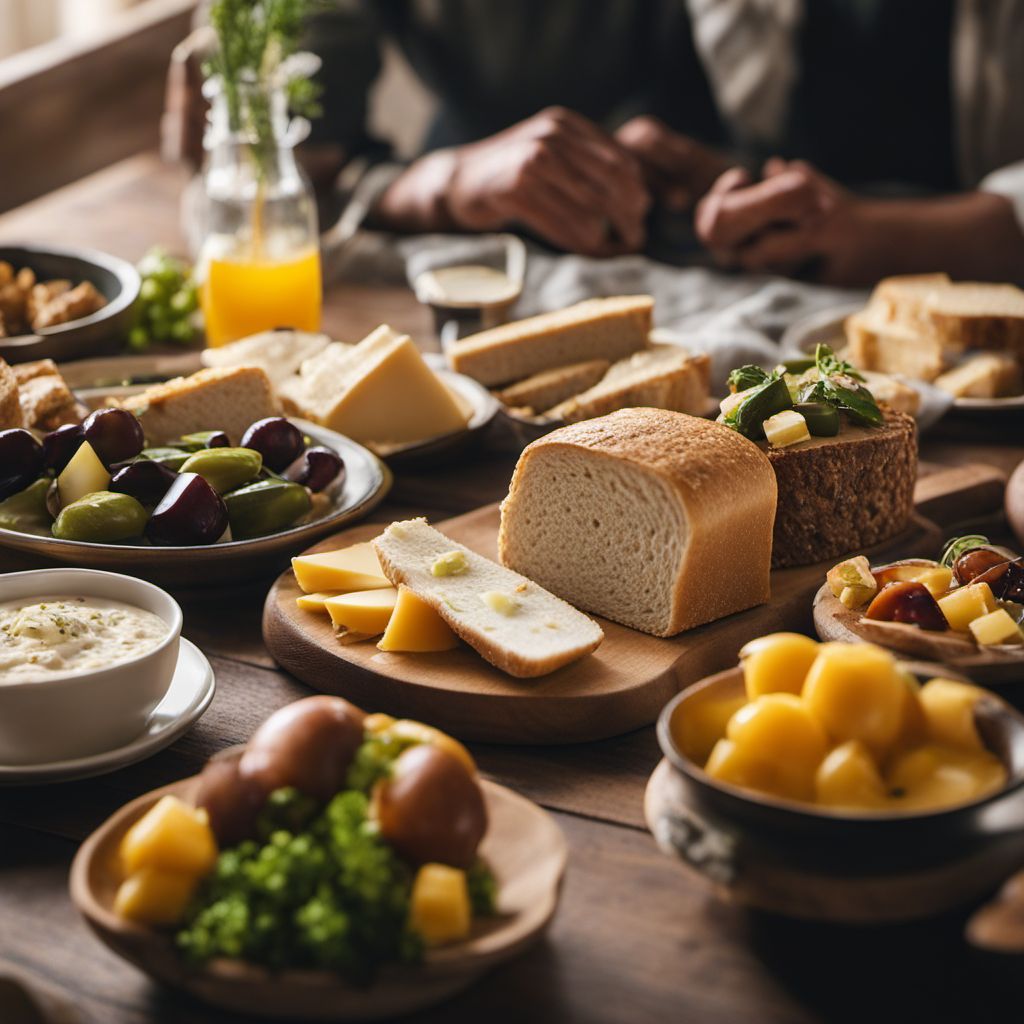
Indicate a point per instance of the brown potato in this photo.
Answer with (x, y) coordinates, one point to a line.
(309, 745)
(431, 810)
(232, 802)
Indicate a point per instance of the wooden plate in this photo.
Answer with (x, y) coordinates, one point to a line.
(524, 847)
(991, 666)
(367, 481)
(622, 686)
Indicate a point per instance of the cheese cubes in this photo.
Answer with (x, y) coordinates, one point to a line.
(786, 428)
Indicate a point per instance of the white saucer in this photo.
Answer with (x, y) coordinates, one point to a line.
(188, 696)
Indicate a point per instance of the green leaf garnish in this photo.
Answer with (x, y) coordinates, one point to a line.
(745, 377)
(960, 545)
(829, 364)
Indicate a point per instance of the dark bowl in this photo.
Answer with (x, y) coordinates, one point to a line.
(804, 861)
(101, 332)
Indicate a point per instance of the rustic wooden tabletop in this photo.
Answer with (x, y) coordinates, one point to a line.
(635, 940)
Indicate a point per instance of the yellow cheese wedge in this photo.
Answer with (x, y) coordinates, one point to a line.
(786, 428)
(351, 568)
(415, 626)
(965, 604)
(439, 908)
(365, 611)
(997, 627)
(83, 475)
(170, 836)
(937, 580)
(315, 602)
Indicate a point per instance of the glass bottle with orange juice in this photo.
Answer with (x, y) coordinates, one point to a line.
(259, 257)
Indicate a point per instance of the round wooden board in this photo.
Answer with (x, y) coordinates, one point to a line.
(834, 621)
(622, 686)
(523, 846)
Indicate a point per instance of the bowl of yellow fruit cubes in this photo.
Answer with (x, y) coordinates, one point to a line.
(832, 781)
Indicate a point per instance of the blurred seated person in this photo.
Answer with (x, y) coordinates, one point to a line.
(840, 140)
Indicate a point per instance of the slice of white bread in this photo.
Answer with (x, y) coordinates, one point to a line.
(977, 315)
(549, 387)
(229, 398)
(892, 347)
(10, 405)
(656, 519)
(985, 375)
(610, 328)
(661, 377)
(379, 392)
(278, 353)
(901, 299)
(508, 619)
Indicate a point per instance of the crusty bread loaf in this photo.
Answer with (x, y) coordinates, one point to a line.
(549, 387)
(984, 375)
(10, 406)
(655, 519)
(969, 315)
(893, 347)
(536, 632)
(278, 353)
(609, 328)
(660, 377)
(227, 398)
(901, 299)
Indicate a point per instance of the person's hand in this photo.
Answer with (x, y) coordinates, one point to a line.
(556, 174)
(678, 169)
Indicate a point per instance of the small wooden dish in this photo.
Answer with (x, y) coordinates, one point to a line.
(524, 847)
(806, 862)
(989, 666)
(622, 686)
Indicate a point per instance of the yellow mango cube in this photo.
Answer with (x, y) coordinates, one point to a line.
(351, 568)
(152, 896)
(965, 604)
(849, 778)
(439, 907)
(935, 776)
(949, 713)
(937, 580)
(315, 602)
(857, 693)
(777, 663)
(171, 837)
(997, 627)
(365, 611)
(415, 626)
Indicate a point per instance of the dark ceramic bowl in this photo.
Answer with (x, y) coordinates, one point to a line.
(97, 334)
(804, 861)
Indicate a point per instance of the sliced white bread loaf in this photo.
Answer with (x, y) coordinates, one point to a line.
(985, 375)
(229, 398)
(900, 299)
(661, 377)
(609, 329)
(655, 519)
(977, 315)
(892, 347)
(549, 387)
(512, 622)
(278, 353)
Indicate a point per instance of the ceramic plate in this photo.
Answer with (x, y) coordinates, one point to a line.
(188, 697)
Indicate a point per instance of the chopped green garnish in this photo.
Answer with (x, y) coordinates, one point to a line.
(745, 377)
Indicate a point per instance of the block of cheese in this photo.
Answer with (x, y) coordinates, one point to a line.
(379, 392)
(609, 329)
(315, 602)
(656, 519)
(549, 387)
(278, 353)
(985, 375)
(786, 428)
(363, 611)
(415, 626)
(996, 627)
(352, 568)
(508, 619)
(84, 474)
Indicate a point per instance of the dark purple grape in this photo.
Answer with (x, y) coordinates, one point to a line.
(60, 444)
(146, 481)
(277, 440)
(191, 512)
(316, 468)
(977, 562)
(21, 461)
(218, 439)
(115, 435)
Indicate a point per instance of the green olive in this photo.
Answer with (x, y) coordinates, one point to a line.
(26, 510)
(224, 468)
(822, 418)
(172, 458)
(102, 517)
(265, 507)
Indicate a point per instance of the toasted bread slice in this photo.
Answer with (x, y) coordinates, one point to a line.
(509, 620)
(549, 387)
(981, 316)
(279, 353)
(985, 375)
(901, 299)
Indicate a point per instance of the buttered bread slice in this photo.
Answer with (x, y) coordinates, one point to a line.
(609, 329)
(508, 619)
(656, 519)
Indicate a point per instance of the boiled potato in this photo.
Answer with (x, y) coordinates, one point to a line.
(703, 725)
(152, 896)
(857, 692)
(729, 763)
(934, 776)
(777, 663)
(949, 713)
(231, 801)
(439, 908)
(170, 836)
(849, 777)
(913, 726)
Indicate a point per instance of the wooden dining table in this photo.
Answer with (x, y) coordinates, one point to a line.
(636, 939)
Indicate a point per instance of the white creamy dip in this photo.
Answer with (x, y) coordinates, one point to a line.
(59, 636)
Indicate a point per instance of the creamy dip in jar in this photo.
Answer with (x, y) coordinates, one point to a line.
(58, 636)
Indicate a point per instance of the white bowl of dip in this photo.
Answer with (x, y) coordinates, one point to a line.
(85, 657)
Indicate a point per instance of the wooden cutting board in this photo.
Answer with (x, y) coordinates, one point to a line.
(621, 687)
